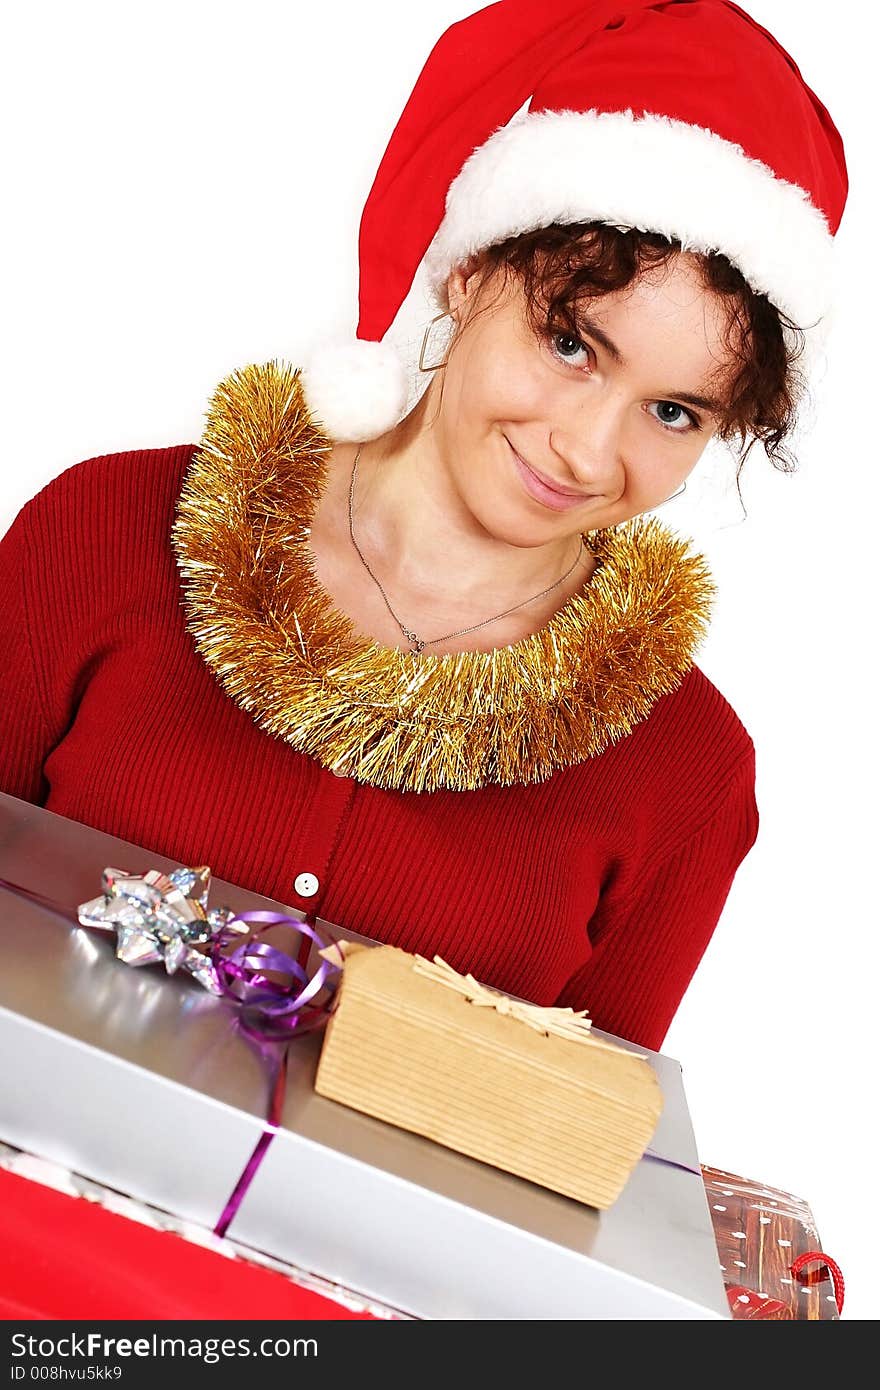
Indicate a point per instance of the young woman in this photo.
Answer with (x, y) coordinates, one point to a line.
(430, 674)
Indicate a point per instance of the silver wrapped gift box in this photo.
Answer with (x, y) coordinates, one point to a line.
(143, 1082)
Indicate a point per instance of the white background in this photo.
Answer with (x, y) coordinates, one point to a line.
(183, 183)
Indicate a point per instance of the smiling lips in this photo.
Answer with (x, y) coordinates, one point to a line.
(539, 487)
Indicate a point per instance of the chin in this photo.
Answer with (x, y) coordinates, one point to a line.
(512, 526)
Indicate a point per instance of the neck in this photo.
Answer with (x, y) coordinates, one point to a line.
(423, 541)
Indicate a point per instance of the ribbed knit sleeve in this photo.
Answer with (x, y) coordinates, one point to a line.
(655, 920)
(85, 569)
(27, 731)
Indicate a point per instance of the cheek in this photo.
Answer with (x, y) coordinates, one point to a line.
(496, 384)
(657, 464)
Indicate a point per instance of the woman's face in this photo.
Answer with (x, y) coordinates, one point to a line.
(547, 437)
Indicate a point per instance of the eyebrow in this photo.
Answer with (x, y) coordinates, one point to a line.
(592, 329)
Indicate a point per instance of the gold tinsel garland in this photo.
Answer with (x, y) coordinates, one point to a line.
(270, 633)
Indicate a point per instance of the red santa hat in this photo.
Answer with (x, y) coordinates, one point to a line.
(685, 118)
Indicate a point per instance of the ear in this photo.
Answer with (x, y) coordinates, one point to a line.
(462, 284)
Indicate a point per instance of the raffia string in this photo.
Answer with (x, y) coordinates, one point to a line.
(562, 1022)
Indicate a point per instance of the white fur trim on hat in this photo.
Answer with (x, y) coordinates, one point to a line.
(355, 389)
(651, 172)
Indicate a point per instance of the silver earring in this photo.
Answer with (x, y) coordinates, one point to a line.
(422, 366)
(682, 489)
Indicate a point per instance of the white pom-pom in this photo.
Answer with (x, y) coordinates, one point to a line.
(355, 389)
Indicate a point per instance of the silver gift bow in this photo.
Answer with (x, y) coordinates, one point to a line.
(162, 917)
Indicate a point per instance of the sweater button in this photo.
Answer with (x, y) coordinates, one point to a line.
(306, 885)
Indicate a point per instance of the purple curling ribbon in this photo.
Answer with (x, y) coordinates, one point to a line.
(49, 904)
(270, 1129)
(671, 1162)
(271, 1009)
(273, 1013)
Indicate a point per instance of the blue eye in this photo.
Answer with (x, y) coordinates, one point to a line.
(674, 417)
(567, 346)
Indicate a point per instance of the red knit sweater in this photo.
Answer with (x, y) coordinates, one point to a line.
(599, 888)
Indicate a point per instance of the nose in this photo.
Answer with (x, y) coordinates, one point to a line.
(590, 445)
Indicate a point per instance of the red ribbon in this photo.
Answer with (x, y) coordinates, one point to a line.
(832, 1268)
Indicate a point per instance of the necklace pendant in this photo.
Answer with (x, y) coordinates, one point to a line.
(415, 642)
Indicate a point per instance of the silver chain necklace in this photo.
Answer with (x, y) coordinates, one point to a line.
(418, 643)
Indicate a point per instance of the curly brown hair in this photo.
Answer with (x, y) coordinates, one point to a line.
(562, 266)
